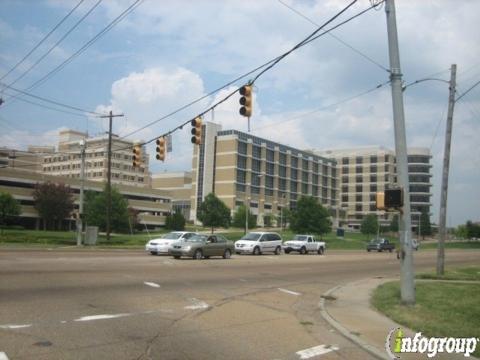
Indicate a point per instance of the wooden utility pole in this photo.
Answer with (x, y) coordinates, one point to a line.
(110, 117)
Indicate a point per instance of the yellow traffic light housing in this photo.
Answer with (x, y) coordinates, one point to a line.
(196, 131)
(246, 100)
(137, 155)
(391, 199)
(380, 201)
(161, 144)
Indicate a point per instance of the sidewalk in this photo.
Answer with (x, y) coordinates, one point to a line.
(347, 308)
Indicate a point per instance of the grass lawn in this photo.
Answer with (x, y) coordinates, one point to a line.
(441, 309)
(454, 245)
(466, 273)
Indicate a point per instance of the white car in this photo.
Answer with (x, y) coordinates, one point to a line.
(257, 243)
(163, 244)
(304, 244)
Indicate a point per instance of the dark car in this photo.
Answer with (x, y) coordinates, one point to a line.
(380, 245)
(203, 246)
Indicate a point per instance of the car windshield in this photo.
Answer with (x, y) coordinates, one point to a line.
(300, 237)
(251, 236)
(198, 238)
(171, 236)
(376, 241)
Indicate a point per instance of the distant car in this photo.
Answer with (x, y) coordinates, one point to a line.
(415, 244)
(257, 243)
(380, 245)
(304, 244)
(163, 244)
(203, 246)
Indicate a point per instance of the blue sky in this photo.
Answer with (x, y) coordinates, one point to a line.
(166, 54)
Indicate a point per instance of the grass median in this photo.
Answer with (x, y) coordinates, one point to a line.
(442, 309)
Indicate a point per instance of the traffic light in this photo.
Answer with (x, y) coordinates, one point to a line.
(246, 100)
(161, 144)
(137, 156)
(197, 130)
(390, 199)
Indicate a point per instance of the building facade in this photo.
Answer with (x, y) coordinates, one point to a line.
(365, 171)
(67, 161)
(152, 205)
(179, 184)
(30, 160)
(264, 175)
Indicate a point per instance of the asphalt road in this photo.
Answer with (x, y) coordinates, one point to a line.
(68, 304)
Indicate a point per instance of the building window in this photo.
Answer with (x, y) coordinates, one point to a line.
(241, 176)
(305, 176)
(373, 187)
(344, 188)
(242, 148)
(293, 174)
(282, 158)
(270, 168)
(373, 159)
(345, 170)
(359, 160)
(240, 188)
(359, 179)
(305, 164)
(270, 155)
(344, 179)
(373, 178)
(373, 207)
(315, 179)
(373, 197)
(257, 152)
(256, 165)
(344, 198)
(373, 169)
(358, 198)
(359, 170)
(304, 189)
(294, 162)
(359, 188)
(282, 171)
(345, 161)
(282, 184)
(293, 186)
(241, 162)
(358, 207)
(315, 167)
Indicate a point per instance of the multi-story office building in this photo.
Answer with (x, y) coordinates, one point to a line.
(365, 171)
(179, 184)
(67, 162)
(267, 176)
(152, 205)
(30, 160)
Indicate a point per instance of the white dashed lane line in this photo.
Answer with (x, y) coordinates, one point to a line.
(316, 351)
(290, 292)
(3, 356)
(197, 305)
(15, 326)
(152, 284)
(101, 317)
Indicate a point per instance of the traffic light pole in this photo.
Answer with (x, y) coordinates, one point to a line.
(407, 283)
(82, 181)
(109, 171)
(446, 166)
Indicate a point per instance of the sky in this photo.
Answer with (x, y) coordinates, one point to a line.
(325, 95)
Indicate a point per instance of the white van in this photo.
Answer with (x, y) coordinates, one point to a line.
(257, 243)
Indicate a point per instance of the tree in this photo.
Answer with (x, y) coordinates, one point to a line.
(96, 211)
(473, 230)
(369, 225)
(175, 221)
(54, 202)
(310, 217)
(213, 212)
(425, 226)
(9, 207)
(239, 218)
(394, 224)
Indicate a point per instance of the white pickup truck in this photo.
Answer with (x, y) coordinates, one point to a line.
(303, 244)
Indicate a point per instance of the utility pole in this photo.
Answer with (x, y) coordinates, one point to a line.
(247, 207)
(109, 170)
(82, 184)
(446, 166)
(407, 283)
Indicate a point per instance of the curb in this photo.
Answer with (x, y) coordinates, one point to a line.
(345, 332)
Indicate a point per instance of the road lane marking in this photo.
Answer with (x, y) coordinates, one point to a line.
(14, 326)
(197, 304)
(152, 284)
(101, 317)
(316, 351)
(3, 356)
(290, 292)
(242, 280)
(166, 262)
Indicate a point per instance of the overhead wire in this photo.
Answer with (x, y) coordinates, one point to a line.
(275, 60)
(42, 40)
(57, 43)
(336, 37)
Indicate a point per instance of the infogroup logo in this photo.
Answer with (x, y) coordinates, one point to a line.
(431, 346)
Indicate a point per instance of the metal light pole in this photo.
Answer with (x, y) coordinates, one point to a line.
(407, 283)
(82, 184)
(247, 206)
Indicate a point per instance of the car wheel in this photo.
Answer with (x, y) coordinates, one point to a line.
(198, 255)
(287, 251)
(256, 250)
(176, 257)
(238, 253)
(303, 251)
(390, 250)
(320, 251)
(227, 254)
(368, 250)
(206, 257)
(153, 252)
(278, 250)
(379, 250)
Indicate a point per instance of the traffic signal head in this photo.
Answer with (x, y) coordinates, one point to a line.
(197, 131)
(161, 143)
(390, 199)
(137, 156)
(246, 100)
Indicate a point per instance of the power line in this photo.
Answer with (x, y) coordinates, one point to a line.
(469, 89)
(335, 37)
(276, 123)
(42, 40)
(270, 62)
(89, 43)
(50, 101)
(57, 43)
